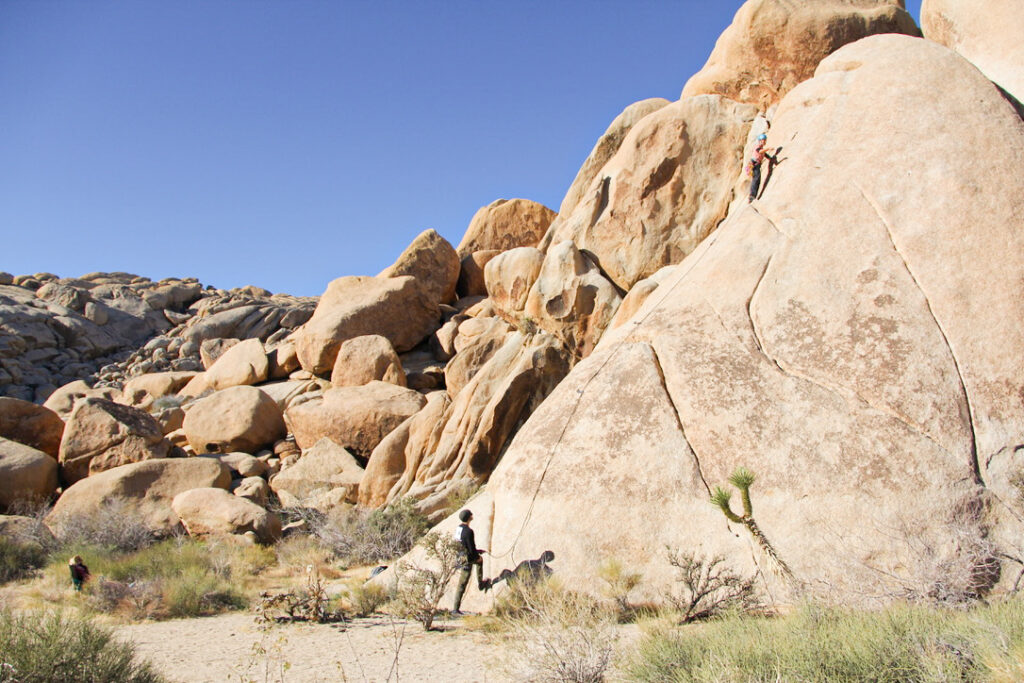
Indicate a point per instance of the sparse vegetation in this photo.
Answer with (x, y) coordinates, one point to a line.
(53, 647)
(706, 586)
(420, 589)
(18, 560)
(359, 537)
(552, 634)
(113, 528)
(903, 643)
(367, 598)
(619, 583)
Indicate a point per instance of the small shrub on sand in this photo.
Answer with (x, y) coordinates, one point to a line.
(57, 648)
(367, 598)
(706, 586)
(113, 527)
(18, 560)
(420, 589)
(900, 644)
(552, 634)
(618, 584)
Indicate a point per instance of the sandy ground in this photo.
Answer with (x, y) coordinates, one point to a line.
(232, 648)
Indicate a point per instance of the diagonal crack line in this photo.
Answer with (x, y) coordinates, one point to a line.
(675, 411)
(834, 389)
(956, 363)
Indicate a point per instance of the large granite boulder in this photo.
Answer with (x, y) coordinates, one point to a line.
(31, 424)
(397, 308)
(145, 489)
(989, 37)
(605, 148)
(772, 45)
(433, 262)
(670, 184)
(356, 418)
(215, 512)
(102, 434)
(847, 338)
(506, 224)
(324, 468)
(245, 363)
(365, 359)
(27, 475)
(144, 389)
(237, 419)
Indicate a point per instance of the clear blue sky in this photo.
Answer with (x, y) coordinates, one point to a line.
(284, 144)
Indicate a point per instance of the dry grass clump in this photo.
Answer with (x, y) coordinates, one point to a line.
(900, 644)
(359, 537)
(552, 634)
(18, 560)
(52, 647)
(173, 578)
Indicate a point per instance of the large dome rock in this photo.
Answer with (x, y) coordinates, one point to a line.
(855, 338)
(989, 37)
(772, 45)
(394, 307)
(667, 188)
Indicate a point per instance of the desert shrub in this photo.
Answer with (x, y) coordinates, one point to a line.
(114, 527)
(618, 584)
(902, 643)
(18, 560)
(361, 537)
(367, 598)
(706, 586)
(552, 634)
(420, 589)
(310, 603)
(57, 648)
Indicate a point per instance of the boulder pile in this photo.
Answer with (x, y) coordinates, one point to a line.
(853, 337)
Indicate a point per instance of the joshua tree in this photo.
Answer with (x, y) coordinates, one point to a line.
(742, 479)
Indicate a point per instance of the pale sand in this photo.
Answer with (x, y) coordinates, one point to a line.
(221, 648)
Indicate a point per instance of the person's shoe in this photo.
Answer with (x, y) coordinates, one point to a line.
(457, 613)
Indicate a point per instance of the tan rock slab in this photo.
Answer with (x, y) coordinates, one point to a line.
(31, 424)
(506, 224)
(324, 467)
(237, 419)
(433, 262)
(365, 359)
(215, 512)
(102, 434)
(27, 475)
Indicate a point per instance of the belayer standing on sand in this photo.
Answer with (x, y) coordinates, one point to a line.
(754, 165)
(79, 572)
(465, 536)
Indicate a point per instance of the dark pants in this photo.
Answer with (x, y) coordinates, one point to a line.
(464, 575)
(755, 182)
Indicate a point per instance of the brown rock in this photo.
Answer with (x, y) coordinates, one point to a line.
(170, 419)
(323, 468)
(31, 424)
(402, 450)
(22, 529)
(212, 349)
(471, 274)
(282, 360)
(26, 474)
(606, 147)
(571, 299)
(506, 224)
(253, 489)
(432, 261)
(214, 512)
(638, 295)
(145, 488)
(365, 359)
(102, 434)
(236, 419)
(481, 338)
(396, 308)
(245, 363)
(144, 389)
(772, 45)
(62, 401)
(356, 418)
(509, 277)
(989, 38)
(669, 185)
(244, 464)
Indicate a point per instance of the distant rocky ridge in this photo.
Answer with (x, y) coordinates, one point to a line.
(854, 336)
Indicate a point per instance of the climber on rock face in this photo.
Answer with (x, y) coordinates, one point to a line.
(754, 165)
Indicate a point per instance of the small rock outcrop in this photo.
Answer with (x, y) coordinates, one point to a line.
(215, 512)
(365, 359)
(506, 224)
(102, 434)
(27, 475)
(326, 473)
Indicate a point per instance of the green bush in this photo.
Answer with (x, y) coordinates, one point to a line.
(370, 538)
(56, 648)
(18, 560)
(901, 644)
